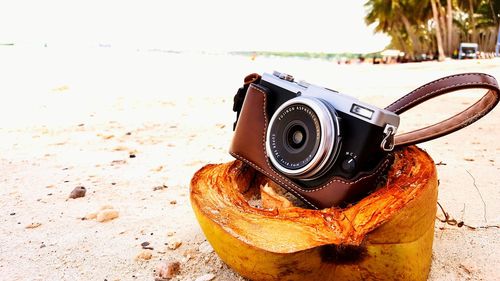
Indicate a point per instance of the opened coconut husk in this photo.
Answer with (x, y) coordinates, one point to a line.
(385, 236)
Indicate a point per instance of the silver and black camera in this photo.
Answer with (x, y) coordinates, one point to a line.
(315, 133)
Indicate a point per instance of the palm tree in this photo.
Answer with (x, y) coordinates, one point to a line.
(478, 21)
(428, 25)
(438, 30)
(471, 4)
(402, 16)
(449, 23)
(487, 24)
(390, 18)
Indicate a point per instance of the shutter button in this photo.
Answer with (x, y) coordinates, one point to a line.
(349, 165)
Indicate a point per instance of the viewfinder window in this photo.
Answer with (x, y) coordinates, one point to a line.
(362, 111)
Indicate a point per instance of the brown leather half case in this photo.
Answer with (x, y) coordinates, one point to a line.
(249, 146)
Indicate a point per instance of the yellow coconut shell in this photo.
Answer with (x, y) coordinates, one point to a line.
(385, 236)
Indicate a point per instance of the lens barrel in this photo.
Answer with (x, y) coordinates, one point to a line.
(303, 138)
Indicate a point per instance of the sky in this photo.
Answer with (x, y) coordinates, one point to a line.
(193, 25)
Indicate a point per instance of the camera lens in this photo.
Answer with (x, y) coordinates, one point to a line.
(303, 138)
(296, 136)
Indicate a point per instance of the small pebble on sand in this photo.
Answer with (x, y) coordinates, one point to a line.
(168, 270)
(144, 255)
(160, 187)
(33, 225)
(91, 216)
(173, 245)
(107, 215)
(78, 192)
(158, 169)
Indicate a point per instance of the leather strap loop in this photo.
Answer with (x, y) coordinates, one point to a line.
(241, 93)
(443, 86)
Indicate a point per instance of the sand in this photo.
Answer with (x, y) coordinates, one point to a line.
(132, 126)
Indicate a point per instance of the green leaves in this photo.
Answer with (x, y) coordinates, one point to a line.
(413, 25)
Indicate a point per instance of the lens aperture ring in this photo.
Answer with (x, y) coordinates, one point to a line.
(302, 139)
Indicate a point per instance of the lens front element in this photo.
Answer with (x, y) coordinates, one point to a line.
(296, 136)
(303, 138)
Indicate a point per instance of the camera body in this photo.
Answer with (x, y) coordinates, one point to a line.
(315, 133)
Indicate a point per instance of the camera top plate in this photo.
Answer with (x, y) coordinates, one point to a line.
(348, 105)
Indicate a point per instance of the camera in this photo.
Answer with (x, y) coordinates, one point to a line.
(315, 133)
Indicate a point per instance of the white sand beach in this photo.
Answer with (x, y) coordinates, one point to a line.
(132, 126)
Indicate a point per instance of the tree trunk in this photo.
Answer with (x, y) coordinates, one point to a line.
(472, 22)
(449, 19)
(403, 45)
(490, 40)
(415, 46)
(491, 35)
(443, 27)
(385, 236)
(438, 31)
(493, 14)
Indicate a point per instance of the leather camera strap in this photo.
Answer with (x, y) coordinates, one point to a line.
(443, 86)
